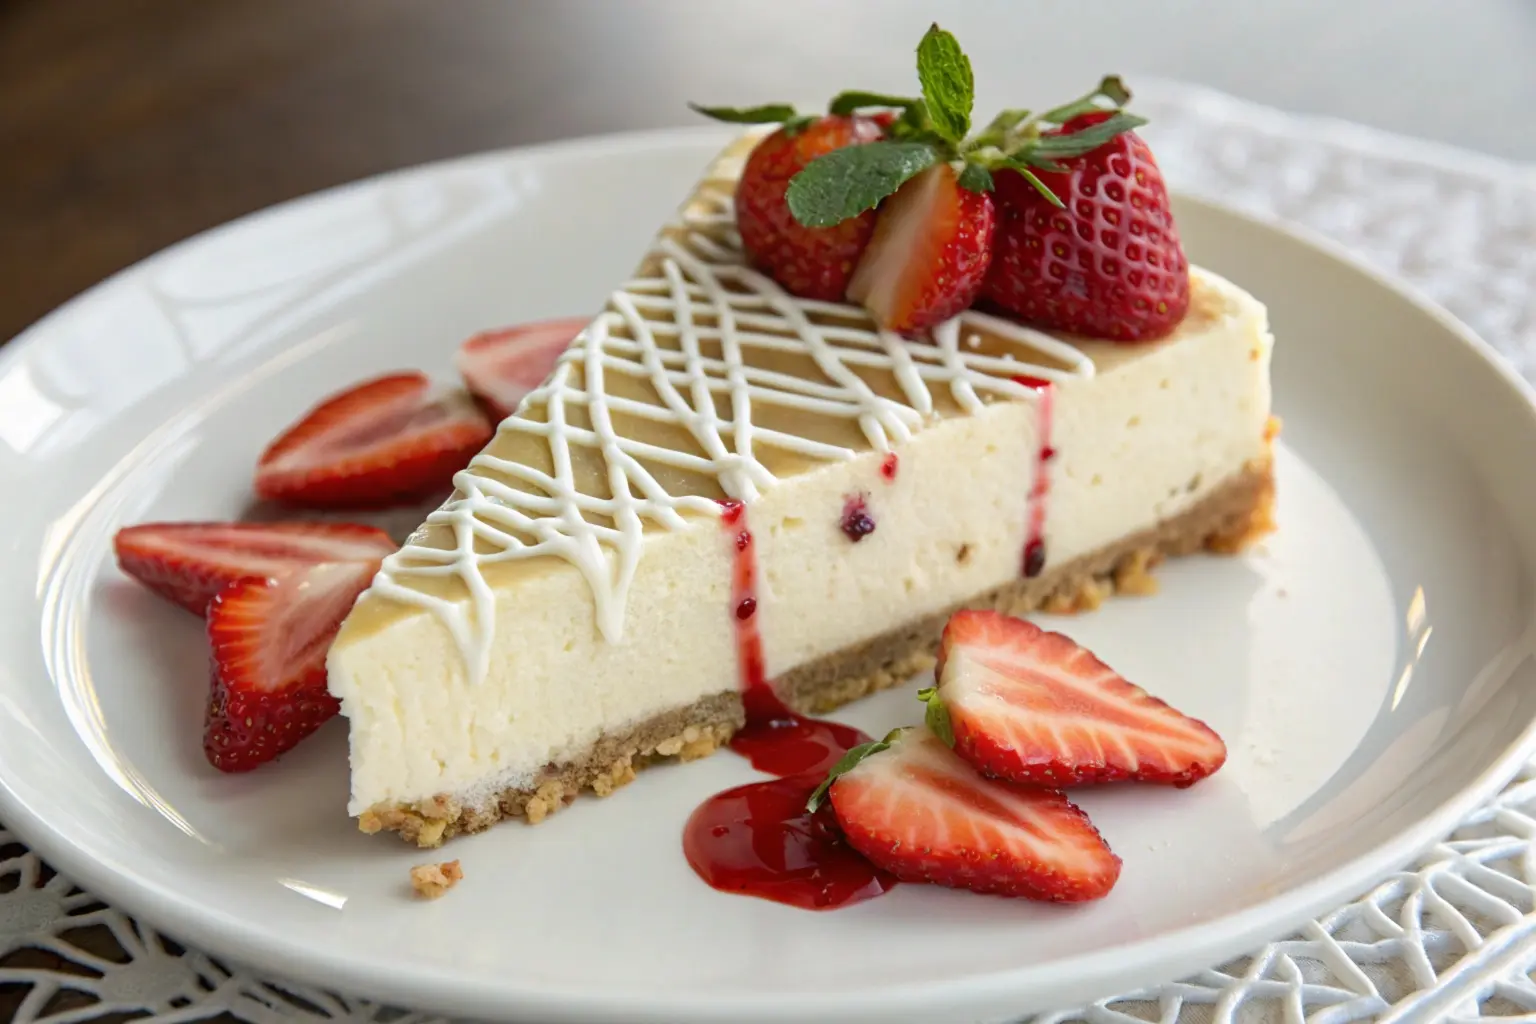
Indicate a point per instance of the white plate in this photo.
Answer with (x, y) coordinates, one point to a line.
(1369, 665)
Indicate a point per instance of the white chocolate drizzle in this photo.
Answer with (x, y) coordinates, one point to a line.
(689, 330)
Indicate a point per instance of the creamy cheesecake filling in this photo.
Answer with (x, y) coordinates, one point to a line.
(580, 585)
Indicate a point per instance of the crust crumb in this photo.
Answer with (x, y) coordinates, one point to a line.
(1134, 574)
(432, 880)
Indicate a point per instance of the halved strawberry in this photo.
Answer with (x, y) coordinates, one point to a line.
(386, 441)
(270, 639)
(1036, 708)
(911, 806)
(501, 366)
(189, 563)
(929, 254)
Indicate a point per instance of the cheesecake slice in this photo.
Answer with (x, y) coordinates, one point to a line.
(721, 485)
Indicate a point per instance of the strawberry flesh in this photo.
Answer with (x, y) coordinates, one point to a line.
(188, 563)
(1109, 265)
(929, 254)
(813, 263)
(387, 441)
(501, 366)
(924, 815)
(269, 641)
(1035, 708)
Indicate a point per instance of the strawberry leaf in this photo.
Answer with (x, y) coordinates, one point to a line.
(846, 764)
(846, 182)
(936, 715)
(948, 85)
(768, 113)
(853, 99)
(1086, 140)
(976, 178)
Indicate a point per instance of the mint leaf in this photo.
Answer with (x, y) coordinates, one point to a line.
(846, 182)
(948, 85)
(1061, 147)
(978, 179)
(853, 99)
(936, 717)
(847, 763)
(768, 113)
(1110, 88)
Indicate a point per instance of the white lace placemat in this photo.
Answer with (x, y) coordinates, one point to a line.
(1453, 938)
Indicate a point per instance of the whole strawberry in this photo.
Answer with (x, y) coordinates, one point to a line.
(811, 262)
(1107, 263)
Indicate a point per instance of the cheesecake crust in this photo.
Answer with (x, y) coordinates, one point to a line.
(1226, 521)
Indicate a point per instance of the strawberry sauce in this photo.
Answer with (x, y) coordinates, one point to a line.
(889, 467)
(1034, 530)
(758, 839)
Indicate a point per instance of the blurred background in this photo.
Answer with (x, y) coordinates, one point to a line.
(126, 125)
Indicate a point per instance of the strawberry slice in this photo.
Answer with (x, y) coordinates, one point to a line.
(387, 441)
(1036, 708)
(270, 639)
(911, 806)
(188, 563)
(501, 366)
(929, 254)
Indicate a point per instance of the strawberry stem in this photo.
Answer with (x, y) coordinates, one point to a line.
(936, 715)
(847, 763)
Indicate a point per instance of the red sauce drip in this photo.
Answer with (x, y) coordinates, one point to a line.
(749, 645)
(780, 742)
(1034, 529)
(889, 466)
(758, 839)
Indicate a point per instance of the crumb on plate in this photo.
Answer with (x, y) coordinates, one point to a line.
(432, 880)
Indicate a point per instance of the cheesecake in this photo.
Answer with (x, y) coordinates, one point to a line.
(722, 485)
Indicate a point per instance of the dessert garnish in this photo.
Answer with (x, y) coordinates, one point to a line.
(387, 441)
(1036, 708)
(1059, 219)
(911, 806)
(269, 638)
(274, 595)
(188, 563)
(500, 366)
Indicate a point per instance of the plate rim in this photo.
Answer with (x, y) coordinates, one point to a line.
(1140, 962)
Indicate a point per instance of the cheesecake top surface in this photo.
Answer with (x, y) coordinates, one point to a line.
(701, 382)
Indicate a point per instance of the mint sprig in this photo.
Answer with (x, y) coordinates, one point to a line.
(847, 763)
(948, 85)
(846, 182)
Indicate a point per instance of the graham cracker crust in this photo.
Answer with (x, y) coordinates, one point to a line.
(1233, 516)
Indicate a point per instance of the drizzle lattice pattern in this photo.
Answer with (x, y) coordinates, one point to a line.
(1449, 939)
(701, 345)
